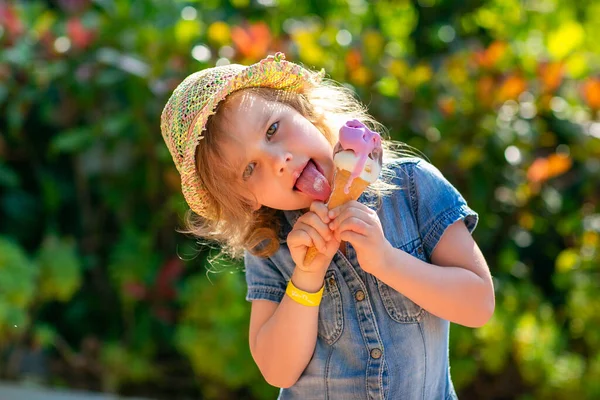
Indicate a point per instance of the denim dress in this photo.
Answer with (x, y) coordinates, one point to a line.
(373, 342)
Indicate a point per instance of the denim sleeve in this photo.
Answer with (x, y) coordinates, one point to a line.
(437, 204)
(264, 280)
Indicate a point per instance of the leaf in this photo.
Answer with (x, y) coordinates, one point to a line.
(577, 65)
(8, 177)
(187, 31)
(71, 141)
(373, 43)
(44, 335)
(422, 73)
(388, 86)
(308, 47)
(60, 269)
(567, 260)
(123, 365)
(568, 37)
(219, 33)
(17, 287)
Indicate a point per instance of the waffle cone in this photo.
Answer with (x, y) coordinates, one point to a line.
(338, 197)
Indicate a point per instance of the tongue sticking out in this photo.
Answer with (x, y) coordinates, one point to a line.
(312, 183)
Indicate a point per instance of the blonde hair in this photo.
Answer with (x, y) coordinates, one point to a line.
(238, 227)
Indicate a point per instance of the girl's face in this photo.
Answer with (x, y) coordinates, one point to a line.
(268, 144)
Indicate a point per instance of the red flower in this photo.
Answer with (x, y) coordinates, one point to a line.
(79, 35)
(10, 21)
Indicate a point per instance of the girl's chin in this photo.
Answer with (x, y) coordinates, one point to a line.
(291, 205)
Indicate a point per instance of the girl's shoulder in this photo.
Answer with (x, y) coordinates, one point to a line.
(418, 180)
(398, 171)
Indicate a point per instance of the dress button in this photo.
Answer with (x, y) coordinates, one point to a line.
(420, 250)
(331, 281)
(376, 353)
(360, 295)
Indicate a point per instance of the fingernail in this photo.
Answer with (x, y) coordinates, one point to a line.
(331, 214)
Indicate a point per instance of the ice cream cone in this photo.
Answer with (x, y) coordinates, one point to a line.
(339, 197)
(358, 159)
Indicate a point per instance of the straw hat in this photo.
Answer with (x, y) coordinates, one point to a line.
(184, 117)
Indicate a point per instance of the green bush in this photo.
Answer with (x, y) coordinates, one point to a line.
(502, 96)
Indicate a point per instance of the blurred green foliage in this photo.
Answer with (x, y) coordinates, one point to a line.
(502, 95)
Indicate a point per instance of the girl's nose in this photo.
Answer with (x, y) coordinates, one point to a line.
(280, 161)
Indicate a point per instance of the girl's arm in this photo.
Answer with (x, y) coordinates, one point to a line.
(457, 286)
(283, 336)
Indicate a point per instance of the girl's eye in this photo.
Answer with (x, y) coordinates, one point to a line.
(248, 171)
(272, 130)
(250, 167)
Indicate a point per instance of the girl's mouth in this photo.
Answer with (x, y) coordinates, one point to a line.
(312, 182)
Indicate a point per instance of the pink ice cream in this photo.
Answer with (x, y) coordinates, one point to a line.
(359, 145)
(365, 144)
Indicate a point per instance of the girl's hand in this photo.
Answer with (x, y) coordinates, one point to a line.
(312, 229)
(357, 224)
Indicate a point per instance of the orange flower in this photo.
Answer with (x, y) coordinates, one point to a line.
(485, 87)
(543, 169)
(361, 76)
(591, 92)
(447, 105)
(551, 75)
(353, 59)
(489, 57)
(252, 42)
(511, 88)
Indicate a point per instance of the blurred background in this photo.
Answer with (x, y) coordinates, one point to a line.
(98, 290)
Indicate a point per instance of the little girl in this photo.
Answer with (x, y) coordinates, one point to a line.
(369, 317)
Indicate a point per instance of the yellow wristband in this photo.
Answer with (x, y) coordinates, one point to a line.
(302, 297)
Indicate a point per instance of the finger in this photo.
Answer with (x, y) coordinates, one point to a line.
(317, 240)
(351, 205)
(349, 213)
(298, 238)
(353, 224)
(313, 220)
(351, 237)
(319, 208)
